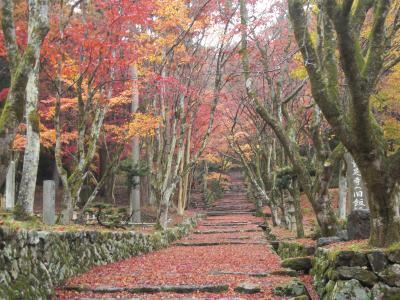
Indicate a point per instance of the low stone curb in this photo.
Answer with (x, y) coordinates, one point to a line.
(180, 289)
(226, 231)
(222, 213)
(201, 244)
(279, 272)
(231, 224)
(247, 288)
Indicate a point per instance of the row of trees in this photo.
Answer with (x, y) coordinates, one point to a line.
(293, 85)
(312, 93)
(95, 84)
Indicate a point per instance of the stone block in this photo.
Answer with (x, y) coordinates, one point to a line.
(358, 224)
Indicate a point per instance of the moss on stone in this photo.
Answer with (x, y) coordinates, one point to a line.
(393, 247)
(292, 249)
(298, 263)
(328, 290)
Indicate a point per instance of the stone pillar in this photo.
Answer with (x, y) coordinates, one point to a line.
(290, 213)
(10, 187)
(357, 191)
(49, 202)
(358, 221)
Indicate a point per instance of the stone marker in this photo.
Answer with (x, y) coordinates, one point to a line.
(10, 187)
(358, 224)
(49, 202)
(356, 186)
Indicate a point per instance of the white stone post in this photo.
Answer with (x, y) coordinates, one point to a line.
(49, 202)
(10, 187)
(356, 186)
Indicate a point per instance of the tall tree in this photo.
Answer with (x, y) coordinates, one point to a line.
(316, 188)
(23, 67)
(135, 189)
(362, 62)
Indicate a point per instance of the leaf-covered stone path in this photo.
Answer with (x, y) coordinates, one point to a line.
(224, 257)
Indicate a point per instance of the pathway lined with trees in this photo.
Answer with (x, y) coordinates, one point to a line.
(227, 255)
(129, 116)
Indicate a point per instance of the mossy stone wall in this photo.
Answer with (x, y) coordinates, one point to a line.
(369, 274)
(32, 263)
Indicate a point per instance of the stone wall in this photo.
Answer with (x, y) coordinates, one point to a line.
(345, 274)
(32, 263)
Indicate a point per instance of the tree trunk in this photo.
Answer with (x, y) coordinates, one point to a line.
(284, 221)
(181, 191)
(103, 160)
(164, 208)
(27, 187)
(183, 196)
(205, 187)
(385, 215)
(298, 213)
(319, 196)
(56, 177)
(20, 67)
(362, 67)
(325, 215)
(9, 123)
(321, 204)
(67, 209)
(135, 190)
(276, 221)
(150, 157)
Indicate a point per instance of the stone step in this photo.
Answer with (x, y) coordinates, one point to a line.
(226, 213)
(279, 272)
(235, 204)
(224, 298)
(234, 199)
(226, 231)
(221, 208)
(202, 244)
(86, 298)
(221, 238)
(151, 289)
(227, 205)
(231, 224)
